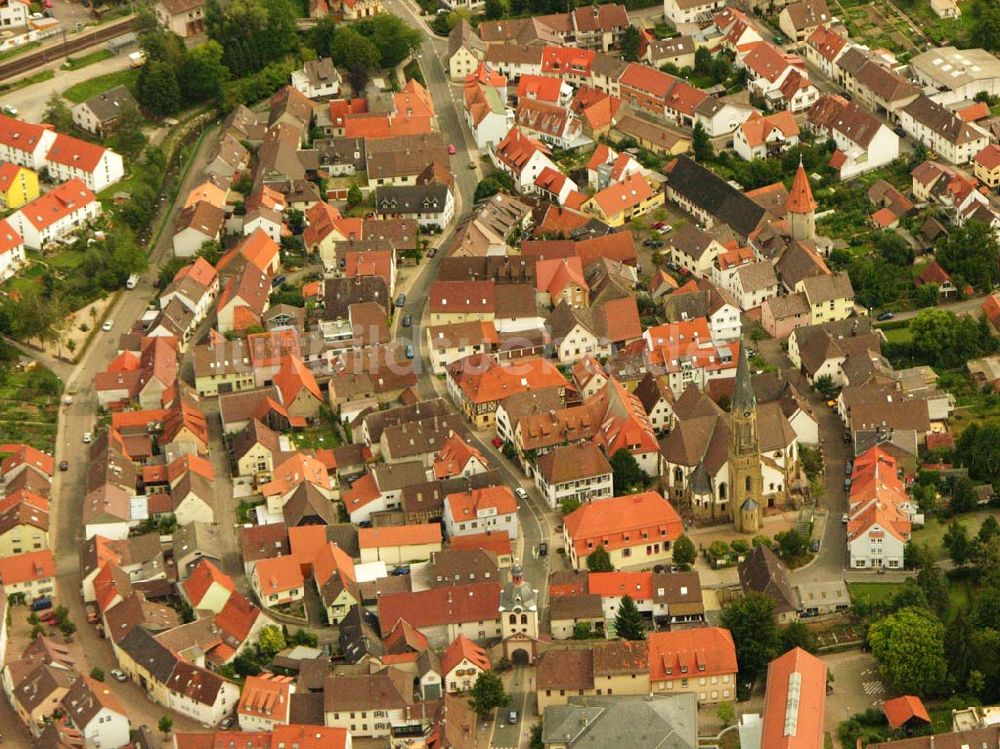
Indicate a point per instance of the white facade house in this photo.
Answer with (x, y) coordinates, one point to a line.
(24, 143)
(201, 705)
(484, 510)
(317, 79)
(863, 141)
(12, 256)
(689, 11)
(96, 714)
(574, 472)
(943, 131)
(56, 214)
(487, 117)
(72, 158)
(14, 13)
(430, 205)
(522, 157)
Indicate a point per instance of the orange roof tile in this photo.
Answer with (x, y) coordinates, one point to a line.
(900, 710)
(75, 153)
(28, 567)
(463, 505)
(637, 585)
(800, 197)
(621, 522)
(704, 652)
(202, 577)
(797, 704)
(399, 535)
(463, 649)
(278, 575)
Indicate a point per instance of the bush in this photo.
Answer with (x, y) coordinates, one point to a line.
(96, 674)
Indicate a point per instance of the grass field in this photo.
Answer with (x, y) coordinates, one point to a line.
(874, 592)
(932, 533)
(75, 63)
(86, 89)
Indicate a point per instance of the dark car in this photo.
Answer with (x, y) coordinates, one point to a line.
(885, 316)
(278, 280)
(401, 300)
(814, 546)
(653, 244)
(543, 549)
(898, 130)
(407, 320)
(63, 465)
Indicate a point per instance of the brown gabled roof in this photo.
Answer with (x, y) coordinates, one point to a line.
(565, 669)
(763, 572)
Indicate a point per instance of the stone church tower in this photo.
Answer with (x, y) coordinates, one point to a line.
(801, 207)
(746, 481)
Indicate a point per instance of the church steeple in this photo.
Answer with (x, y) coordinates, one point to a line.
(801, 207)
(743, 397)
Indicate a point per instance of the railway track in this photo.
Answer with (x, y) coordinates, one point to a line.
(25, 63)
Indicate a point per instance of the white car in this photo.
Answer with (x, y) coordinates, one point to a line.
(520, 493)
(844, 518)
(118, 675)
(9, 110)
(108, 324)
(87, 438)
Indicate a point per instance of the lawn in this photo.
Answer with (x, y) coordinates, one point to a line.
(898, 335)
(932, 533)
(75, 63)
(87, 89)
(30, 80)
(874, 592)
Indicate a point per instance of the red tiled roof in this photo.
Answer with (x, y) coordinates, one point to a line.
(621, 522)
(708, 651)
(483, 380)
(9, 238)
(399, 535)
(799, 704)
(637, 585)
(437, 606)
(201, 579)
(278, 575)
(61, 201)
(989, 157)
(20, 454)
(901, 710)
(75, 153)
(462, 648)
(800, 197)
(27, 567)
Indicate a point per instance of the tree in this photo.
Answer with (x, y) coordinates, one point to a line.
(354, 196)
(488, 694)
(97, 674)
(245, 666)
(725, 712)
(628, 621)
(684, 551)
(494, 9)
(956, 541)
(271, 641)
(205, 71)
(931, 582)
(797, 635)
(958, 646)
(627, 475)
(166, 724)
(701, 143)
(320, 37)
(824, 386)
(599, 560)
(158, 89)
(30, 316)
(631, 41)
(985, 31)
(875, 285)
(393, 39)
(978, 449)
(909, 645)
(581, 631)
(963, 495)
(128, 138)
(252, 33)
(927, 295)
(296, 220)
(792, 545)
(944, 339)
(754, 628)
(58, 113)
(569, 504)
(971, 251)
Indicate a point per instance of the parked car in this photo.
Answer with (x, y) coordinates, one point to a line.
(543, 549)
(118, 675)
(848, 467)
(520, 493)
(407, 320)
(658, 224)
(409, 351)
(512, 717)
(108, 325)
(844, 518)
(666, 229)
(898, 130)
(432, 252)
(63, 465)
(847, 485)
(497, 442)
(9, 110)
(401, 300)
(40, 604)
(451, 149)
(814, 545)
(653, 244)
(403, 569)
(226, 723)
(885, 316)
(278, 280)
(87, 438)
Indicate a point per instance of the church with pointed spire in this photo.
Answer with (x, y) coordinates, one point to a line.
(731, 467)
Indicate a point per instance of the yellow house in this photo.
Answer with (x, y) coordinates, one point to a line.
(623, 201)
(700, 661)
(18, 185)
(254, 449)
(24, 525)
(830, 297)
(986, 165)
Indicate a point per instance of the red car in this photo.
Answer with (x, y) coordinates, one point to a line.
(451, 149)
(497, 442)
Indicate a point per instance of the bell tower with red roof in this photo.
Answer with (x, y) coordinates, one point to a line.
(801, 207)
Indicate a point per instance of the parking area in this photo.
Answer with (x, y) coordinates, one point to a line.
(857, 686)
